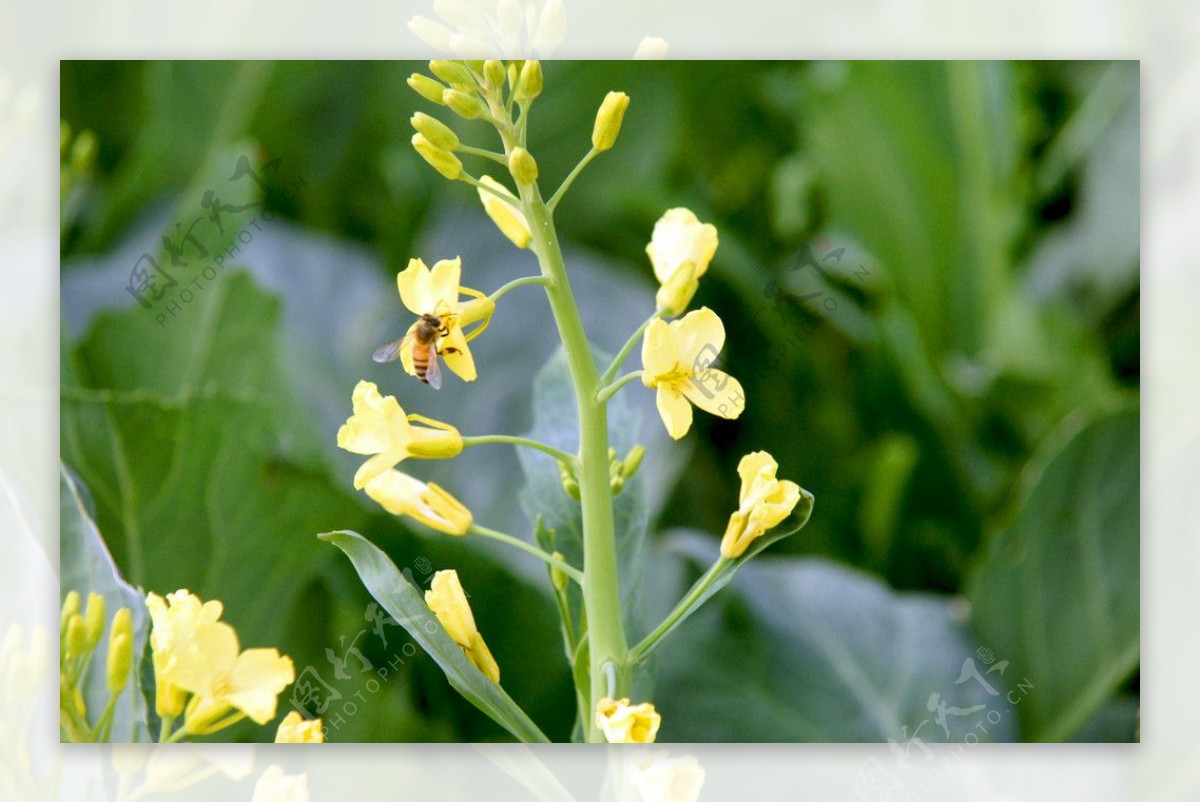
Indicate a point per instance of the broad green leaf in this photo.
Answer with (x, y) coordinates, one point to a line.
(87, 567)
(399, 597)
(556, 422)
(197, 496)
(807, 650)
(1057, 593)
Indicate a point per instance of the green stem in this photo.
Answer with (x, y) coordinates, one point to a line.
(495, 157)
(495, 535)
(623, 354)
(165, 731)
(601, 589)
(104, 724)
(608, 391)
(647, 645)
(570, 179)
(515, 283)
(557, 454)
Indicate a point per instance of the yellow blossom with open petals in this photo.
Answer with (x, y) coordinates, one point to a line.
(437, 291)
(680, 250)
(295, 729)
(428, 503)
(623, 723)
(509, 220)
(764, 502)
(175, 623)
(677, 360)
(227, 682)
(380, 427)
(448, 602)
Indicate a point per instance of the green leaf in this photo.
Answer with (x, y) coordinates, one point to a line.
(1057, 592)
(556, 422)
(87, 567)
(401, 598)
(196, 495)
(807, 650)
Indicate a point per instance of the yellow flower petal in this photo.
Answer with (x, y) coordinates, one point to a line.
(403, 495)
(700, 335)
(256, 681)
(660, 354)
(510, 221)
(481, 656)
(448, 602)
(379, 426)
(443, 286)
(716, 392)
(378, 422)
(457, 354)
(413, 284)
(675, 411)
(295, 729)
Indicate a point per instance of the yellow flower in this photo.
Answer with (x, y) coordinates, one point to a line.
(436, 292)
(296, 729)
(176, 621)
(429, 504)
(222, 678)
(677, 359)
(624, 723)
(380, 427)
(509, 220)
(680, 249)
(448, 601)
(764, 502)
(198, 655)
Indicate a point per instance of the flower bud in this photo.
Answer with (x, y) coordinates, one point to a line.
(481, 656)
(569, 483)
(529, 84)
(438, 133)
(452, 72)
(510, 221)
(493, 73)
(442, 160)
(633, 461)
(120, 662)
(70, 607)
(75, 643)
(522, 166)
(514, 74)
(427, 88)
(93, 620)
(466, 106)
(608, 120)
(558, 578)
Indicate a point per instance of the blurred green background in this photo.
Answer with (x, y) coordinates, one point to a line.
(930, 281)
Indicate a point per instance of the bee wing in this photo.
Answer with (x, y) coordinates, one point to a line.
(389, 351)
(433, 374)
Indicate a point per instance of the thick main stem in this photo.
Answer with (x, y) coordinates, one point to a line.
(601, 588)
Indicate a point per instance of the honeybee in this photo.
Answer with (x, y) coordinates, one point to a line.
(425, 337)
